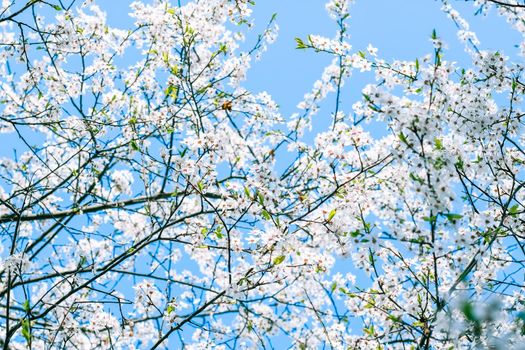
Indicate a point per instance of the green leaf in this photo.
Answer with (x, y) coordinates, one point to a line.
(260, 197)
(370, 304)
(170, 309)
(200, 186)
(344, 291)
(440, 163)
(165, 57)
(134, 145)
(171, 91)
(168, 90)
(453, 217)
(355, 233)
(26, 330)
(417, 65)
(278, 260)
(57, 7)
(403, 138)
(416, 178)
(333, 286)
(394, 318)
(459, 164)
(514, 209)
(478, 160)
(300, 44)
(370, 330)
(438, 143)
(26, 306)
(468, 310)
(218, 232)
(331, 215)
(374, 108)
(266, 215)
(431, 219)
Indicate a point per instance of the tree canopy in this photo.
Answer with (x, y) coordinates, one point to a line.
(149, 200)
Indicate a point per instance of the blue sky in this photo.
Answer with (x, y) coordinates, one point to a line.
(400, 29)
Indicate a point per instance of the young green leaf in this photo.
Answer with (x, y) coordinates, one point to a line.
(26, 330)
(453, 217)
(134, 145)
(278, 260)
(266, 215)
(331, 215)
(300, 44)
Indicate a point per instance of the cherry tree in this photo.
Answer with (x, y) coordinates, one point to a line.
(142, 204)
